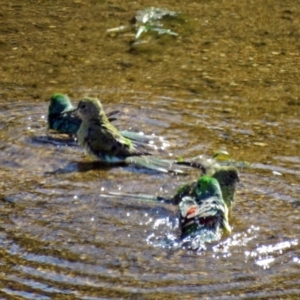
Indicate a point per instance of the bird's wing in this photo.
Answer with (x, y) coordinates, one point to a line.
(185, 190)
(64, 123)
(214, 207)
(210, 207)
(120, 145)
(105, 139)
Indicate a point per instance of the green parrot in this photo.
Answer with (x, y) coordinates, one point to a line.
(99, 137)
(205, 214)
(64, 122)
(102, 141)
(227, 177)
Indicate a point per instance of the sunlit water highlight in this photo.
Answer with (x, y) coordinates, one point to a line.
(62, 234)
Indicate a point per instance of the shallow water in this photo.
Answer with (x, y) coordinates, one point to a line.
(63, 237)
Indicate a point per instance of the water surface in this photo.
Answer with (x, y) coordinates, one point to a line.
(230, 81)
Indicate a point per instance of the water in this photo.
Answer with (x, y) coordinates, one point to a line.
(63, 237)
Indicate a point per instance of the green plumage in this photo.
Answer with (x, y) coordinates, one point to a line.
(227, 177)
(205, 214)
(99, 137)
(64, 122)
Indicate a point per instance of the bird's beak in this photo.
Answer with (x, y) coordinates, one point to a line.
(69, 111)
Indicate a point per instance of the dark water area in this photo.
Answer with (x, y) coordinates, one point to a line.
(229, 80)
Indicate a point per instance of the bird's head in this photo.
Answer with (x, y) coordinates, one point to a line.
(88, 108)
(227, 175)
(207, 187)
(59, 103)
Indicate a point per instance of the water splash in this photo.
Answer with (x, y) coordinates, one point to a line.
(265, 255)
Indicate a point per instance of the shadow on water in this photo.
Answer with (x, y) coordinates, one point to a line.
(62, 236)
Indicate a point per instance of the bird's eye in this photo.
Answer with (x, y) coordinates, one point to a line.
(83, 106)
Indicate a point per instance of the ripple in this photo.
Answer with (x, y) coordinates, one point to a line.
(63, 235)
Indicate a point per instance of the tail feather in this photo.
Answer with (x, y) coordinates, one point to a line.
(156, 164)
(147, 142)
(206, 164)
(136, 136)
(142, 197)
(111, 114)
